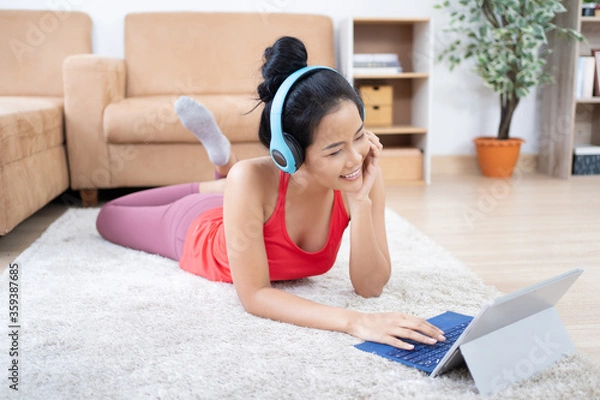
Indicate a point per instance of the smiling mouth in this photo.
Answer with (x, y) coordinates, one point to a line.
(352, 175)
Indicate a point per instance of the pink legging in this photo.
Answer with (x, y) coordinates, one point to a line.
(155, 220)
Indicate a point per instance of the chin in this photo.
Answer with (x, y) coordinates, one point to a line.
(350, 185)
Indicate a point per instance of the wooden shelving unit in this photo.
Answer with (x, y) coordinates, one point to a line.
(406, 155)
(566, 120)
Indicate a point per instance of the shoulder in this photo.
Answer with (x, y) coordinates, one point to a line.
(256, 172)
(252, 182)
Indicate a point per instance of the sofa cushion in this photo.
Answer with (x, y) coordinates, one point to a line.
(152, 119)
(29, 125)
(33, 46)
(30, 183)
(213, 53)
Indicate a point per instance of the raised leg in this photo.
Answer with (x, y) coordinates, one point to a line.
(200, 121)
(221, 171)
(217, 186)
(196, 118)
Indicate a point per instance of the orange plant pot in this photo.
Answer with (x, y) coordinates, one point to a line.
(497, 158)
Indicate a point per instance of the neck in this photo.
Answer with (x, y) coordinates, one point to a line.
(305, 185)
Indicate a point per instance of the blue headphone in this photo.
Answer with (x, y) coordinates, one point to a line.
(285, 150)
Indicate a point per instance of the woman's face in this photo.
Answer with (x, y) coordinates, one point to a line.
(336, 157)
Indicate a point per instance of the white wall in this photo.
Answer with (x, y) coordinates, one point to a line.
(462, 107)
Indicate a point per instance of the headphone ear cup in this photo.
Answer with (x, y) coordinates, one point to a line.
(295, 148)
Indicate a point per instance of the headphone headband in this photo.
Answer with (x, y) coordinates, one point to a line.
(284, 150)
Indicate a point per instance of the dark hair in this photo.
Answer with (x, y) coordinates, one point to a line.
(310, 99)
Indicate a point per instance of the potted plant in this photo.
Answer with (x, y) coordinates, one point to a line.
(506, 39)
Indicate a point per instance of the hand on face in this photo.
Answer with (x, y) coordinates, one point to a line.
(370, 168)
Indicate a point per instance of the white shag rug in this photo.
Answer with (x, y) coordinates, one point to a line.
(99, 321)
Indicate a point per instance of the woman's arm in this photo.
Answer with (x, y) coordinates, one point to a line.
(370, 266)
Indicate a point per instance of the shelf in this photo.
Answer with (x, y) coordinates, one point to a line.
(403, 75)
(405, 109)
(397, 130)
(401, 151)
(589, 100)
(406, 182)
(568, 120)
(382, 21)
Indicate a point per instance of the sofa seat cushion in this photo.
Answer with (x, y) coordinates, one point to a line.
(152, 119)
(29, 125)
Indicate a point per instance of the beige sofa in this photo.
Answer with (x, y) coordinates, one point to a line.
(33, 163)
(121, 128)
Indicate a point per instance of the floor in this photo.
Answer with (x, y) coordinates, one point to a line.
(511, 233)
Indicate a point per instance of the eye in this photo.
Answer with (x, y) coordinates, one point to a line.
(362, 135)
(335, 153)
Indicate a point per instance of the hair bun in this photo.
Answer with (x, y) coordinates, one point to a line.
(287, 55)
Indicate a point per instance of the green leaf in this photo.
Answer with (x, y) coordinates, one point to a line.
(521, 92)
(510, 58)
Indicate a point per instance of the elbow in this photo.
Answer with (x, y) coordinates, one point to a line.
(369, 288)
(368, 293)
(256, 299)
(252, 305)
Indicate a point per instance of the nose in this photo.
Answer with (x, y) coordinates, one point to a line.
(354, 157)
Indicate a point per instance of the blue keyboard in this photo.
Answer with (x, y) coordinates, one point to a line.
(424, 357)
(429, 355)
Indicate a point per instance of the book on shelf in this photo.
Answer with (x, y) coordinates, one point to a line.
(374, 57)
(586, 72)
(376, 70)
(586, 150)
(376, 64)
(586, 160)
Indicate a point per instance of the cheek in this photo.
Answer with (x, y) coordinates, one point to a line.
(365, 147)
(326, 168)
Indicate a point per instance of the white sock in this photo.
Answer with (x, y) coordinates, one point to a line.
(200, 121)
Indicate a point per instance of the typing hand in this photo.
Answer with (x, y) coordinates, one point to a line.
(390, 328)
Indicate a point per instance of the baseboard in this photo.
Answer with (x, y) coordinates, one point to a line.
(467, 164)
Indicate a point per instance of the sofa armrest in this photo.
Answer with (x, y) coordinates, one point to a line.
(91, 82)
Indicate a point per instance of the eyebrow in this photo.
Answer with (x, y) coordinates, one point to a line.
(332, 145)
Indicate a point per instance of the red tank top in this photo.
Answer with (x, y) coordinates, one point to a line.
(205, 251)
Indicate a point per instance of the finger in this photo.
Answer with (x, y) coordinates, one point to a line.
(431, 331)
(370, 169)
(373, 138)
(422, 326)
(375, 163)
(415, 336)
(395, 342)
(375, 149)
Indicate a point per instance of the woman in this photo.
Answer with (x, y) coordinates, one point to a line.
(261, 224)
